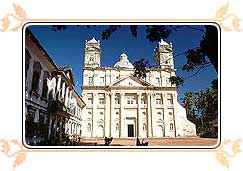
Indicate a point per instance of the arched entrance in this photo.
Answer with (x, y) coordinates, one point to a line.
(100, 131)
(160, 131)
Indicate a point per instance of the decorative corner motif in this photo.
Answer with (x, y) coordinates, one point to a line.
(19, 17)
(13, 151)
(223, 156)
(223, 18)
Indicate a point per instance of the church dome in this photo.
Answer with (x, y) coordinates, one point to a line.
(124, 62)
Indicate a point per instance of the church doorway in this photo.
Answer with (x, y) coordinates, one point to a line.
(130, 128)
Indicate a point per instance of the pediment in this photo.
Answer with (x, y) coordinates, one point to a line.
(131, 81)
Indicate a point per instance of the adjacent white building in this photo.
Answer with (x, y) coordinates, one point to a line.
(118, 104)
(52, 105)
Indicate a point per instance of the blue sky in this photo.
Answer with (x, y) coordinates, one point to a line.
(67, 49)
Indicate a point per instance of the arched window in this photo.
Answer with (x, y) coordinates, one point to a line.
(36, 78)
(89, 127)
(170, 99)
(45, 87)
(117, 126)
(144, 126)
(35, 81)
(171, 126)
(117, 100)
(27, 62)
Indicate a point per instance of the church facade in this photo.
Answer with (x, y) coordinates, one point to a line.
(120, 105)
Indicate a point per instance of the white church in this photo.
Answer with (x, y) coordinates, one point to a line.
(120, 105)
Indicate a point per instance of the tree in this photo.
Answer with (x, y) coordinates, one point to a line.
(141, 68)
(189, 102)
(207, 107)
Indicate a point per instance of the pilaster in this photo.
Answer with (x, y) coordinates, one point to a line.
(94, 113)
(153, 114)
(139, 117)
(112, 113)
(149, 114)
(166, 115)
(122, 115)
(107, 114)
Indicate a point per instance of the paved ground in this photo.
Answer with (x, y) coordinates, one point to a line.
(189, 141)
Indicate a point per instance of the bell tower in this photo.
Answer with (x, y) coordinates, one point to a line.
(163, 55)
(92, 53)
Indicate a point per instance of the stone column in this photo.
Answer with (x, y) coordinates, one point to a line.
(37, 115)
(70, 96)
(122, 115)
(139, 118)
(149, 114)
(174, 98)
(107, 114)
(66, 96)
(59, 80)
(153, 114)
(166, 116)
(112, 114)
(30, 75)
(40, 86)
(95, 119)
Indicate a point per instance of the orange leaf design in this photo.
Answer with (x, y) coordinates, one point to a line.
(226, 28)
(5, 24)
(20, 157)
(5, 147)
(236, 24)
(16, 28)
(222, 11)
(222, 159)
(236, 146)
(19, 11)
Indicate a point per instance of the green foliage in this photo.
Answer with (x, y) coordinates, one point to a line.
(107, 32)
(158, 32)
(207, 104)
(141, 68)
(188, 102)
(195, 57)
(177, 80)
(202, 108)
